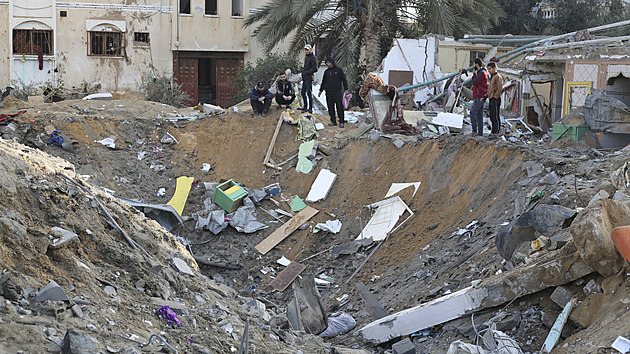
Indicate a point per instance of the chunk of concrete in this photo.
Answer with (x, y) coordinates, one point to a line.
(561, 296)
(533, 168)
(404, 347)
(509, 323)
(592, 288)
(591, 232)
(600, 195)
(61, 237)
(77, 343)
(399, 143)
(322, 185)
(51, 292)
(76, 310)
(546, 219)
(181, 266)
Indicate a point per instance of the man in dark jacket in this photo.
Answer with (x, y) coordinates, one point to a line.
(308, 75)
(335, 83)
(480, 87)
(260, 98)
(284, 91)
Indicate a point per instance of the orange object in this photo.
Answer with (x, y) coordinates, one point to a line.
(621, 237)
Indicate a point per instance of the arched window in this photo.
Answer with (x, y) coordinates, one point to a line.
(105, 39)
(32, 37)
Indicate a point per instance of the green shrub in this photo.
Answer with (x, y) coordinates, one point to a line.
(265, 70)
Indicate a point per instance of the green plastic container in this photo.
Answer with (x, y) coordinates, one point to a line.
(229, 195)
(575, 132)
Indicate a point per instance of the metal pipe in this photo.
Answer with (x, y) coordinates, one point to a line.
(581, 43)
(520, 50)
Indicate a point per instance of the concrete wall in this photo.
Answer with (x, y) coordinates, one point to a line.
(169, 31)
(255, 50)
(452, 54)
(5, 51)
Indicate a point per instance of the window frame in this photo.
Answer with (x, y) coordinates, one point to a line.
(30, 41)
(142, 44)
(216, 11)
(119, 54)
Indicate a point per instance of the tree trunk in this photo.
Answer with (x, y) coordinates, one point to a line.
(371, 36)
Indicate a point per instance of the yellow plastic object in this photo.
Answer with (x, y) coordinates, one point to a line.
(232, 190)
(181, 193)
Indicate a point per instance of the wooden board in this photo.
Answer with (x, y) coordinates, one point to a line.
(285, 230)
(182, 189)
(287, 276)
(375, 309)
(273, 142)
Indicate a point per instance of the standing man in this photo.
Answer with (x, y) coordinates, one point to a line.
(480, 88)
(260, 98)
(332, 82)
(494, 94)
(308, 75)
(284, 91)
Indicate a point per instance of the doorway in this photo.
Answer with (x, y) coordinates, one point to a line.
(205, 76)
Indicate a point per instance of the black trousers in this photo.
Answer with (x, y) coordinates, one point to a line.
(307, 94)
(334, 99)
(280, 100)
(493, 111)
(260, 107)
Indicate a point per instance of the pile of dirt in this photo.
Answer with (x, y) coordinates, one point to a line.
(466, 183)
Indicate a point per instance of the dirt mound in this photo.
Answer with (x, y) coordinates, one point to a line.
(113, 289)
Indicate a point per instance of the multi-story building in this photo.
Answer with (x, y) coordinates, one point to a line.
(115, 42)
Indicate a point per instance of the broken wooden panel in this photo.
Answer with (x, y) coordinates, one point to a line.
(387, 214)
(374, 308)
(285, 230)
(287, 276)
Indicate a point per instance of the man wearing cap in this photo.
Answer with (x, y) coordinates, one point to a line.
(260, 98)
(308, 75)
(335, 83)
(284, 91)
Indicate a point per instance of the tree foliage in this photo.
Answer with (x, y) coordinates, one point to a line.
(354, 29)
(518, 18)
(265, 70)
(574, 15)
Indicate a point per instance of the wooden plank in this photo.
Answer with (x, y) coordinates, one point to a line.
(287, 276)
(273, 142)
(375, 308)
(285, 230)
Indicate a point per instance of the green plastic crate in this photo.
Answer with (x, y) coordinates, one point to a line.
(575, 132)
(229, 195)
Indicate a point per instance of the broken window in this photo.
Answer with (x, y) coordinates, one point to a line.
(184, 6)
(211, 7)
(141, 38)
(106, 43)
(237, 7)
(31, 41)
(474, 54)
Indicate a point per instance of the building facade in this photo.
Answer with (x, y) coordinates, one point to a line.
(115, 42)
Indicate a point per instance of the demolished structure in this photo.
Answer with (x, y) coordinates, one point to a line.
(183, 230)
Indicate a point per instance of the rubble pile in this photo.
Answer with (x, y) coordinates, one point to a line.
(199, 232)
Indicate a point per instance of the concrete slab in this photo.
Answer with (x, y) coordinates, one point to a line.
(404, 347)
(51, 292)
(61, 237)
(321, 186)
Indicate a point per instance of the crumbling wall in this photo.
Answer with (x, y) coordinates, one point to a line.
(591, 231)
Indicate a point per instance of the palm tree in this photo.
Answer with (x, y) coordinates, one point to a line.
(354, 29)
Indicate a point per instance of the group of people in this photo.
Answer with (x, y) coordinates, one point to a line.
(334, 82)
(487, 85)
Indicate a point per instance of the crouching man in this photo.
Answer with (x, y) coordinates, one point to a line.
(284, 91)
(260, 98)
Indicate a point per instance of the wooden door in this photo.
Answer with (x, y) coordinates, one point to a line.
(186, 74)
(227, 69)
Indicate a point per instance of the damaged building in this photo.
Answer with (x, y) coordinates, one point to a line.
(113, 44)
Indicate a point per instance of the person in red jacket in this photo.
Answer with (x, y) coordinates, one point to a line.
(480, 87)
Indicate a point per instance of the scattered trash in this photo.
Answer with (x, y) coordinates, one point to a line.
(338, 323)
(297, 204)
(332, 226)
(621, 344)
(283, 261)
(166, 313)
(229, 195)
(161, 192)
(109, 142)
(306, 155)
(206, 167)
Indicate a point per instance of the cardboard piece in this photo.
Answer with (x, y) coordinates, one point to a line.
(321, 186)
(285, 230)
(181, 193)
(287, 276)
